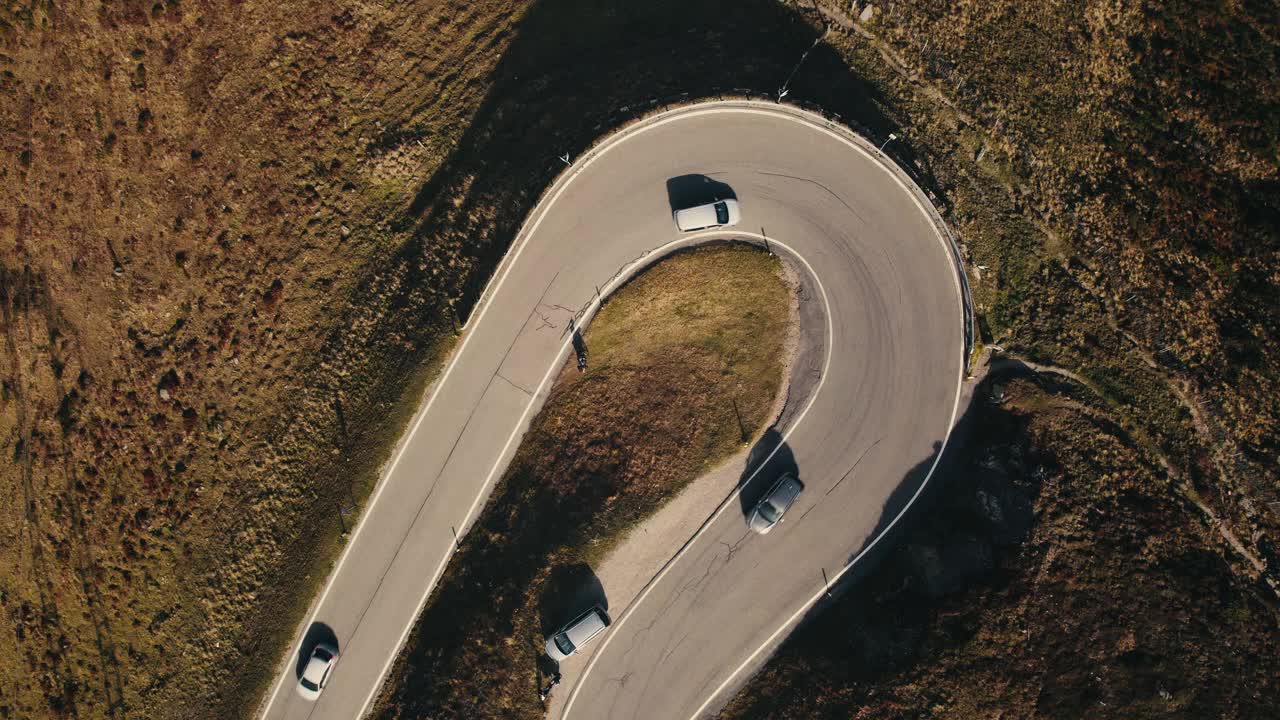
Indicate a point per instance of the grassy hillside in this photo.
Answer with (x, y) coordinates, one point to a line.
(235, 238)
(235, 241)
(1112, 171)
(211, 303)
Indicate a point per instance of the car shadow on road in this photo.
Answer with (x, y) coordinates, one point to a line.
(569, 591)
(316, 634)
(770, 458)
(686, 191)
(886, 617)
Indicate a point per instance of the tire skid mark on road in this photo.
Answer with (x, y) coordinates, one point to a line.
(825, 189)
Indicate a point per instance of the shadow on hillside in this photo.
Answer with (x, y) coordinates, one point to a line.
(977, 507)
(574, 73)
(686, 191)
(930, 479)
(925, 478)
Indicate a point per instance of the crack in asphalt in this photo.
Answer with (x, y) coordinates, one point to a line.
(673, 648)
(734, 547)
(698, 581)
(513, 384)
(666, 607)
(710, 570)
(806, 513)
(452, 449)
(546, 321)
(828, 190)
(855, 466)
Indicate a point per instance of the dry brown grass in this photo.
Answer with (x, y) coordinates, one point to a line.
(234, 241)
(670, 354)
(300, 196)
(1112, 168)
(193, 196)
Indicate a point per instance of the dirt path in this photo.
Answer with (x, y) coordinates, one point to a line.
(1180, 482)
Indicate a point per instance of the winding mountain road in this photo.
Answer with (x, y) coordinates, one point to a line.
(884, 396)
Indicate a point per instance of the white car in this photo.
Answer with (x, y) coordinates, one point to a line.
(720, 213)
(316, 674)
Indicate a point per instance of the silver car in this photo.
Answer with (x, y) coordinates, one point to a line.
(775, 503)
(316, 674)
(577, 633)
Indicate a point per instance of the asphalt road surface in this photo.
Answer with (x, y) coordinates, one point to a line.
(863, 444)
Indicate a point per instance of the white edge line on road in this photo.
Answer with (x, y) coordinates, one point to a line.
(818, 123)
(914, 191)
(404, 446)
(794, 114)
(826, 586)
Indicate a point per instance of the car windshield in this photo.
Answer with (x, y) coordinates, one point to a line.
(768, 511)
(322, 654)
(562, 642)
(309, 685)
(722, 213)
